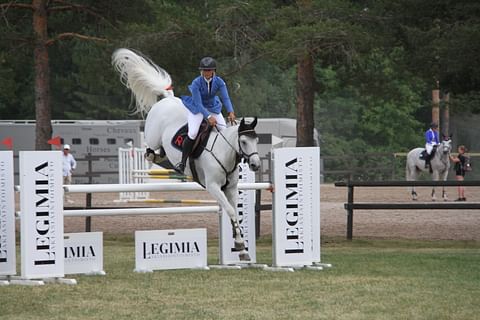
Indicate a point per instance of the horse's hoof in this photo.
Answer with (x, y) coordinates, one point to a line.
(244, 256)
(239, 246)
(149, 156)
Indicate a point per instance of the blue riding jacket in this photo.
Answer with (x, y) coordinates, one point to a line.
(431, 137)
(205, 101)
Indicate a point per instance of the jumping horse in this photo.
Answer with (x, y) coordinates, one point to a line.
(217, 166)
(439, 165)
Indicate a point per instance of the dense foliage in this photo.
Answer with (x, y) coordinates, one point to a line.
(375, 62)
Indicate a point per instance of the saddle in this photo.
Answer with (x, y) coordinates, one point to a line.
(200, 141)
(424, 155)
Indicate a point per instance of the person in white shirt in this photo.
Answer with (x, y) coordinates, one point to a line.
(69, 164)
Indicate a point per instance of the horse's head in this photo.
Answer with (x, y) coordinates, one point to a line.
(446, 146)
(247, 143)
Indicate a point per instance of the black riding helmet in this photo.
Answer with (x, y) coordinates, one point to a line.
(433, 125)
(207, 63)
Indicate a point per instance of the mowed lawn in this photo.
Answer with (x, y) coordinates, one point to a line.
(370, 279)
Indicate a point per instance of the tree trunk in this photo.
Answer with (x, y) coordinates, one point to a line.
(305, 96)
(446, 114)
(436, 107)
(43, 128)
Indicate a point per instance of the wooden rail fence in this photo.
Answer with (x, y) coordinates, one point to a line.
(350, 205)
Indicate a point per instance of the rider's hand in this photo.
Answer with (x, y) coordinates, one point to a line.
(212, 121)
(231, 117)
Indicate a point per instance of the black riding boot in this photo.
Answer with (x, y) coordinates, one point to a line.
(186, 150)
(427, 160)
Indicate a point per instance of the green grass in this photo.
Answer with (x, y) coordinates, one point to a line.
(370, 279)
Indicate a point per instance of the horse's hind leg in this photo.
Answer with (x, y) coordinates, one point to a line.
(412, 176)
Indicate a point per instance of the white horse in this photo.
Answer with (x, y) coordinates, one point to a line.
(440, 163)
(217, 166)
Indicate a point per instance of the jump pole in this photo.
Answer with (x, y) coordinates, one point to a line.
(140, 211)
(154, 187)
(181, 201)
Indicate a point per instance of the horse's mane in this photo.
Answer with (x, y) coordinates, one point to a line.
(141, 75)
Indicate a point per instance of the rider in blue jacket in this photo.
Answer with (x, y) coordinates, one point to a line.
(431, 140)
(204, 103)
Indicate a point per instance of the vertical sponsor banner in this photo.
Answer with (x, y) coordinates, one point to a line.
(41, 206)
(315, 191)
(7, 215)
(170, 249)
(246, 219)
(296, 206)
(83, 252)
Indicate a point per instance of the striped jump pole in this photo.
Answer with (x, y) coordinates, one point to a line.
(180, 201)
(155, 171)
(163, 176)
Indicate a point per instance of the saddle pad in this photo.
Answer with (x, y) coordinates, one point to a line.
(200, 141)
(423, 154)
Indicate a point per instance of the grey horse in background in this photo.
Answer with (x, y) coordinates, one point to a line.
(440, 164)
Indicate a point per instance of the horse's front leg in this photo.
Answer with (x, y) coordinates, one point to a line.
(230, 208)
(414, 194)
(444, 192)
(232, 195)
(434, 178)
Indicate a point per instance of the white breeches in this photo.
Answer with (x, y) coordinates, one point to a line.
(194, 121)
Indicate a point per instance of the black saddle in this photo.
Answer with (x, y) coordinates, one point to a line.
(423, 154)
(200, 141)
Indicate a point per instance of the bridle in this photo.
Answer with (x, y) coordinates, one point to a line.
(240, 154)
(250, 133)
(443, 157)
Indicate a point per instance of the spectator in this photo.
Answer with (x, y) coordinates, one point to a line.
(69, 164)
(461, 166)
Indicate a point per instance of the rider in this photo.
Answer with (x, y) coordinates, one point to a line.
(431, 140)
(205, 104)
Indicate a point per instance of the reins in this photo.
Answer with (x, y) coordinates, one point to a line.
(237, 158)
(239, 155)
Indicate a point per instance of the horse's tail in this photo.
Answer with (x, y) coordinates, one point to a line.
(146, 80)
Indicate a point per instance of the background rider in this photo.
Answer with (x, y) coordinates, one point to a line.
(431, 140)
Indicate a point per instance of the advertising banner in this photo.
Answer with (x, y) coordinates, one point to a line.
(296, 221)
(170, 249)
(83, 253)
(41, 206)
(7, 215)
